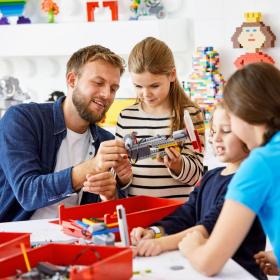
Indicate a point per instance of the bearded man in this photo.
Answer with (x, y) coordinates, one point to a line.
(49, 150)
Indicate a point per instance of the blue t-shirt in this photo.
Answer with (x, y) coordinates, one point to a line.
(257, 186)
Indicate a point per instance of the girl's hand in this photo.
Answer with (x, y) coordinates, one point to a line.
(124, 170)
(190, 242)
(267, 262)
(172, 160)
(140, 233)
(150, 247)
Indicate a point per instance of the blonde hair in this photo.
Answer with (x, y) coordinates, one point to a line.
(154, 56)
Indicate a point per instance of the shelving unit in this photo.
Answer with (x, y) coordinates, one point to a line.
(65, 38)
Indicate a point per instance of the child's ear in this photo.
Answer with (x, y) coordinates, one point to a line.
(71, 79)
(172, 76)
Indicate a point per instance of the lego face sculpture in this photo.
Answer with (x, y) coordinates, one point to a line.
(251, 38)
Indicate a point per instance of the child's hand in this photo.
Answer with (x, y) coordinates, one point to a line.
(150, 247)
(140, 233)
(124, 170)
(190, 242)
(267, 263)
(172, 160)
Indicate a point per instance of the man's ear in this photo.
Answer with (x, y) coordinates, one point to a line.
(71, 79)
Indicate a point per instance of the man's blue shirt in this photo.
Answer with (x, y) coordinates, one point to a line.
(30, 137)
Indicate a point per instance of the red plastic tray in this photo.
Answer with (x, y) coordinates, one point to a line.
(141, 211)
(10, 243)
(114, 262)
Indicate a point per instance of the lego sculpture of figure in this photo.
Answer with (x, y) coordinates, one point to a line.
(205, 83)
(10, 93)
(253, 35)
(11, 8)
(147, 8)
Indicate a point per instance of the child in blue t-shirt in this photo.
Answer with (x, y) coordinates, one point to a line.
(205, 203)
(252, 96)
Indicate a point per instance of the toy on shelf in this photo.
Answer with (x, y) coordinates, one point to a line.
(152, 146)
(10, 93)
(112, 4)
(205, 83)
(51, 8)
(11, 8)
(147, 8)
(253, 35)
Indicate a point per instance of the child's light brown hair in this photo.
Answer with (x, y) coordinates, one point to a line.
(154, 56)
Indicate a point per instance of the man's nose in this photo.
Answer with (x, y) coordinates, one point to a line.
(106, 92)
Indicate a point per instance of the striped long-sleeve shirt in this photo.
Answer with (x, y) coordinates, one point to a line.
(151, 177)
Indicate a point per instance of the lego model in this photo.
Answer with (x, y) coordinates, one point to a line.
(152, 146)
(112, 4)
(147, 8)
(11, 8)
(51, 8)
(10, 93)
(253, 35)
(205, 83)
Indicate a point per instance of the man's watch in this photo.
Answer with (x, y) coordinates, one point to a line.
(156, 231)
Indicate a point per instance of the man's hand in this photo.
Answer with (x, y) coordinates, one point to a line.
(109, 154)
(103, 184)
(124, 170)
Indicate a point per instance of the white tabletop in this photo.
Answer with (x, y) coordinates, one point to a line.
(158, 268)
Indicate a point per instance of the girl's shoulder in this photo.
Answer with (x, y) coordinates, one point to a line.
(133, 107)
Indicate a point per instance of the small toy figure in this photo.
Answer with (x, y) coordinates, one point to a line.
(55, 95)
(205, 83)
(10, 8)
(10, 93)
(51, 8)
(253, 35)
(147, 8)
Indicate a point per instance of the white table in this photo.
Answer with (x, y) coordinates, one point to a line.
(161, 266)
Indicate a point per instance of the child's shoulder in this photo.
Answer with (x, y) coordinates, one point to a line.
(131, 108)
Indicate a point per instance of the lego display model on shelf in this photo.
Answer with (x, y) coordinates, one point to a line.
(205, 83)
(65, 38)
(253, 35)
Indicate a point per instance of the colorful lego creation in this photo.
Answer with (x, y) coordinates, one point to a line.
(253, 35)
(112, 4)
(51, 8)
(205, 83)
(147, 8)
(12, 8)
(152, 146)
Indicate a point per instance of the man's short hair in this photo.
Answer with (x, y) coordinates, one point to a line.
(92, 53)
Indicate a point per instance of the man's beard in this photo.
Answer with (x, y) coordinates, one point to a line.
(82, 108)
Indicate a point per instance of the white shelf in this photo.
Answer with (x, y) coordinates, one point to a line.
(65, 38)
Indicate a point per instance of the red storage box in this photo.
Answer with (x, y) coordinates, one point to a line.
(10, 243)
(101, 262)
(141, 211)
